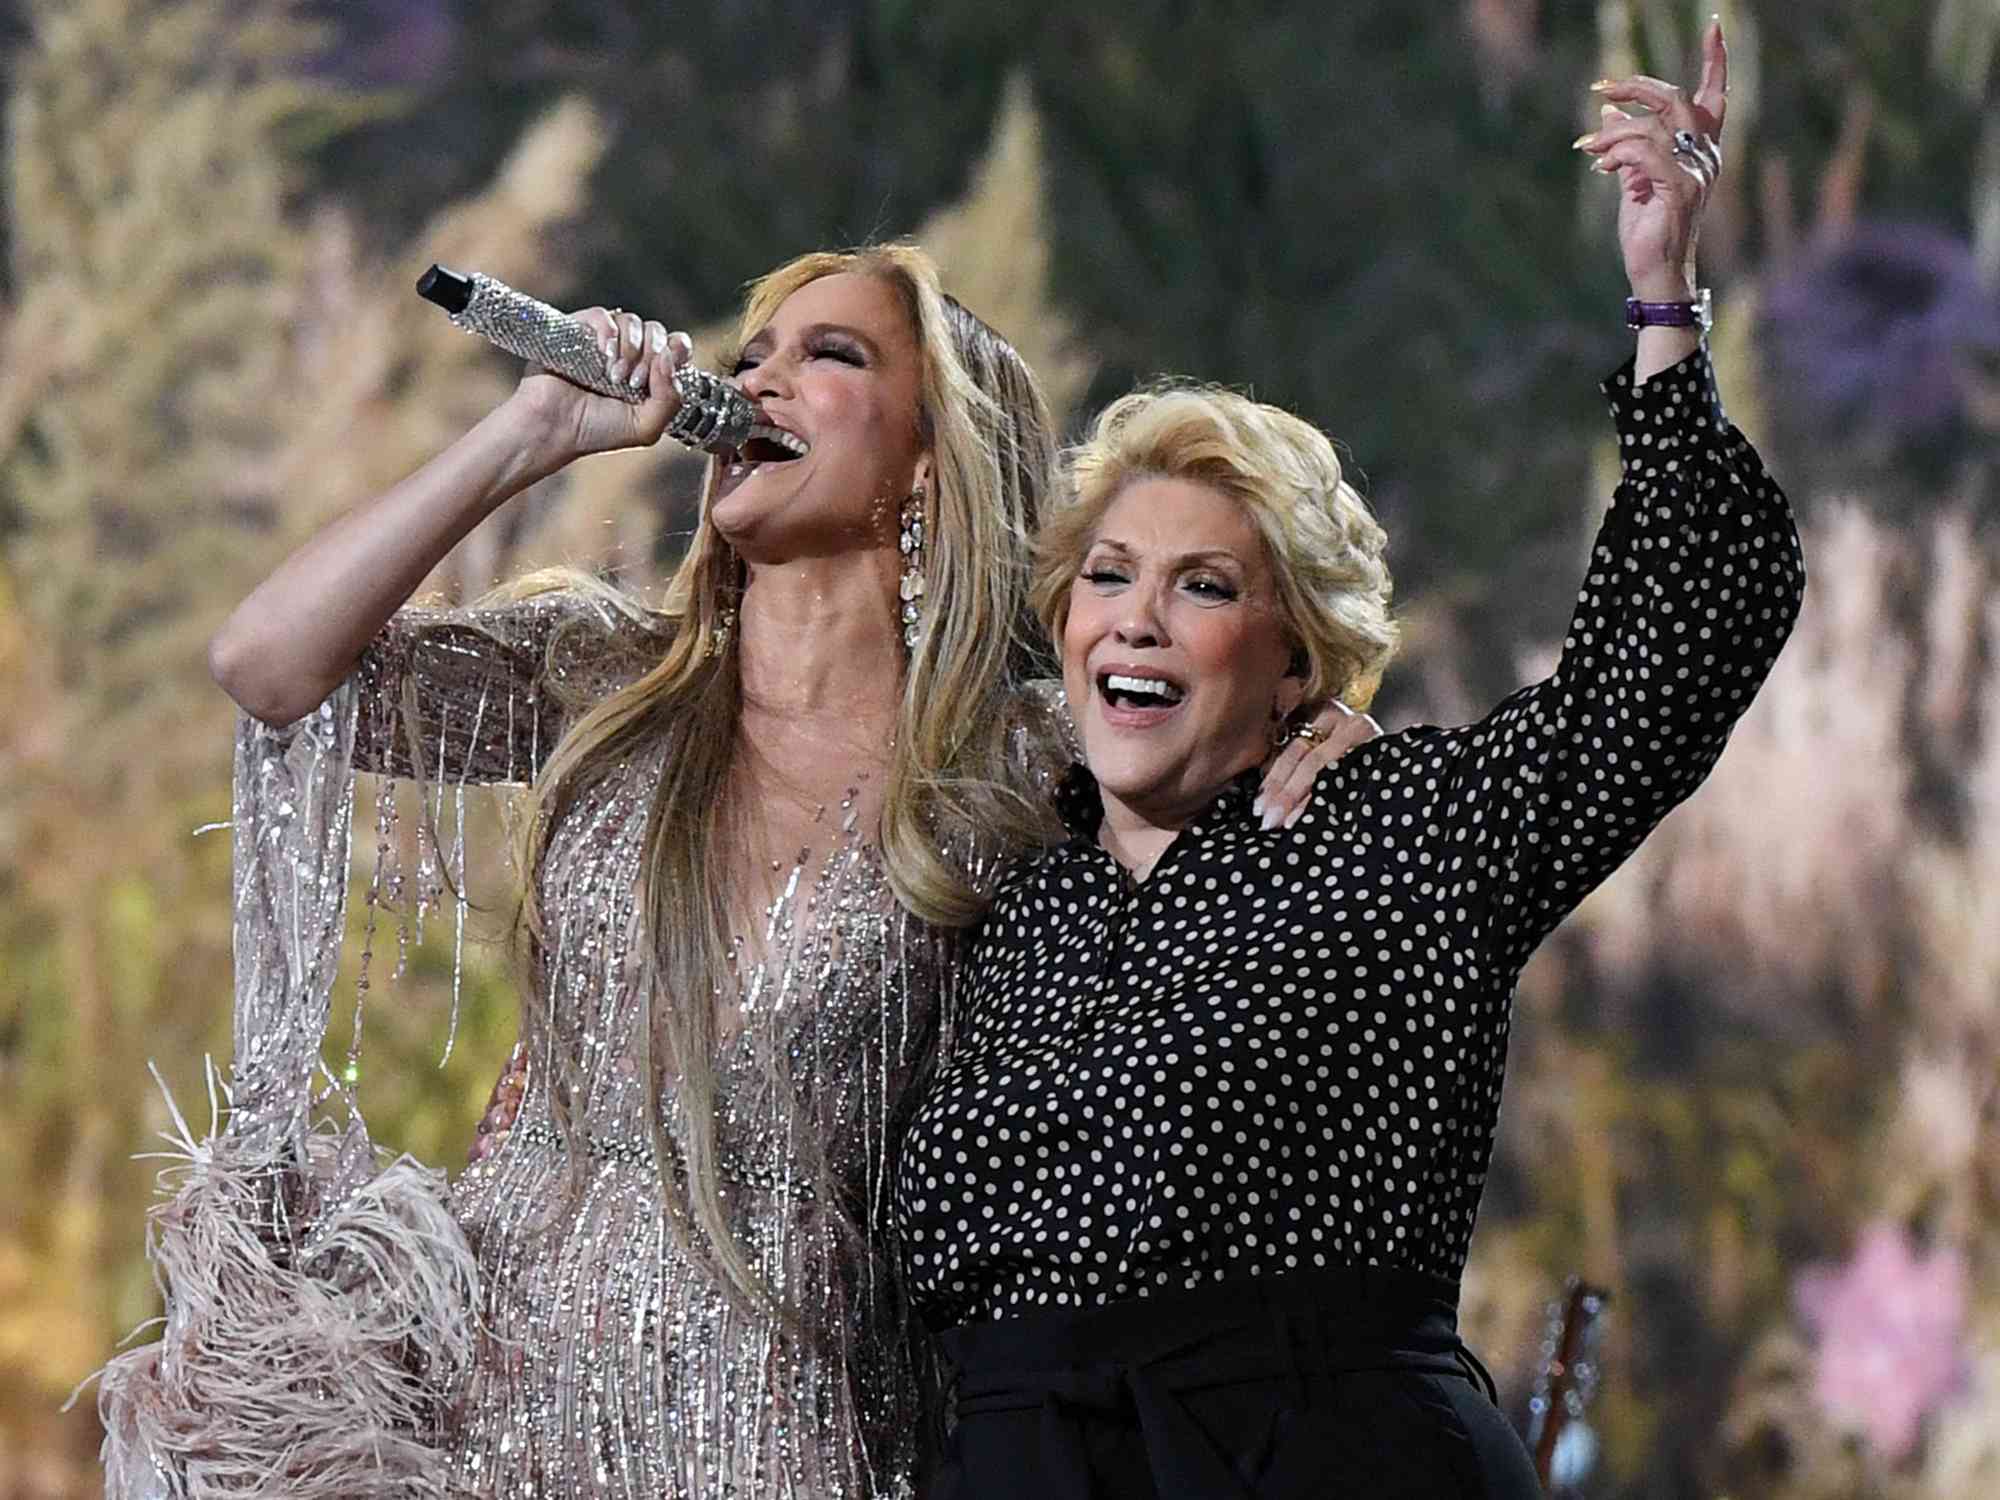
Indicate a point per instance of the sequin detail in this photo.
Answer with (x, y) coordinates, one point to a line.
(611, 1361)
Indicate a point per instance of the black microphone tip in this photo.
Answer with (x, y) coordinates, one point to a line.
(446, 287)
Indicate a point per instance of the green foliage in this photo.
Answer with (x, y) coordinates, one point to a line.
(1930, 82)
(135, 445)
(1334, 210)
(743, 134)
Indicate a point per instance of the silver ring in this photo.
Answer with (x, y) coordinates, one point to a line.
(1687, 147)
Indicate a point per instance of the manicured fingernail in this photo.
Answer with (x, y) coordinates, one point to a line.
(1270, 819)
(637, 379)
(1297, 813)
(1257, 807)
(1602, 84)
(659, 341)
(1583, 140)
(617, 371)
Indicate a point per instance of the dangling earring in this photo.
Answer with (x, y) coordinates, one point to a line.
(719, 633)
(725, 620)
(912, 588)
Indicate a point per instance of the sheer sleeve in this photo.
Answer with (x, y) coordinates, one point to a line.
(1693, 585)
(482, 695)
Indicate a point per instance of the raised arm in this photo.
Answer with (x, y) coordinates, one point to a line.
(1692, 587)
(1666, 160)
(302, 630)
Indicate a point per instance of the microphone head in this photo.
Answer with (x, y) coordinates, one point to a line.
(446, 287)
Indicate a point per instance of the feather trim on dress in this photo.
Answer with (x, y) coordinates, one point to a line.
(320, 1300)
(319, 1318)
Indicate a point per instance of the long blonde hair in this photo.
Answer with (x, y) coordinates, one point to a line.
(949, 786)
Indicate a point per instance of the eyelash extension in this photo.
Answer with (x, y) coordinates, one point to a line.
(841, 352)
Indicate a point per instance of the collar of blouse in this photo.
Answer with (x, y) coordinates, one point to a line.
(1081, 806)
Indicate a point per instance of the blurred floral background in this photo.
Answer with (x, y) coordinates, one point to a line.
(1755, 1080)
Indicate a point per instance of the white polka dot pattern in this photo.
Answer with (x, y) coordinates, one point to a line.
(1284, 1050)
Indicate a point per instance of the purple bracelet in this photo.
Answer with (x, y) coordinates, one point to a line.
(1696, 314)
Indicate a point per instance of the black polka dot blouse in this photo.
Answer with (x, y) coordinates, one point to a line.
(1284, 1050)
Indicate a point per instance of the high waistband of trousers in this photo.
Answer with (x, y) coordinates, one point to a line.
(1372, 1307)
(1140, 1356)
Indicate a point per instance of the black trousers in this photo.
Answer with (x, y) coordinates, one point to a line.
(1321, 1384)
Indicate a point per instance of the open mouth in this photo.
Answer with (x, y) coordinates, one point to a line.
(1123, 691)
(771, 445)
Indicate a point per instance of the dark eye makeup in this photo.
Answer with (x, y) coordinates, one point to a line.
(839, 349)
(846, 351)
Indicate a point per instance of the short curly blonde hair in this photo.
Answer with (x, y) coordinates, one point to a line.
(1324, 544)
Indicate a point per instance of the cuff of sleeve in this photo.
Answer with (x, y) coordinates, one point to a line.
(1681, 399)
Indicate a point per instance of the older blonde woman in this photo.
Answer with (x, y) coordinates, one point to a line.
(1191, 1193)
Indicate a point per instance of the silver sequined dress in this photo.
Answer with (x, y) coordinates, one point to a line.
(613, 1362)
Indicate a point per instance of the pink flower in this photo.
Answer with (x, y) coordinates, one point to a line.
(1889, 1324)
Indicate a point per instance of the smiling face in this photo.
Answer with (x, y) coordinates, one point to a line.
(837, 367)
(1175, 654)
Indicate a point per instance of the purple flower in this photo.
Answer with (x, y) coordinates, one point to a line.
(1889, 1324)
(392, 43)
(1887, 331)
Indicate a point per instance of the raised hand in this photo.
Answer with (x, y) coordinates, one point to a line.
(1666, 158)
(287, 645)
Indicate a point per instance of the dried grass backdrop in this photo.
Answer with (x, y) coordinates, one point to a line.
(1755, 1080)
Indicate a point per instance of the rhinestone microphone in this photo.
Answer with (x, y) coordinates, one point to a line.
(714, 415)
